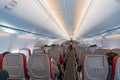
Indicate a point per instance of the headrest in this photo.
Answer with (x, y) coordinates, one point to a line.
(22, 50)
(38, 51)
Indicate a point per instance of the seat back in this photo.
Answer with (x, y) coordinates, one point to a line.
(1, 60)
(95, 67)
(25, 51)
(60, 50)
(101, 51)
(38, 51)
(116, 68)
(82, 54)
(54, 54)
(39, 67)
(15, 64)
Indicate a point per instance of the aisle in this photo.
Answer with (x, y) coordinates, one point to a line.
(70, 67)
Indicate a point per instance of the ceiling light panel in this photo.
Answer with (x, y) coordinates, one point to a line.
(97, 15)
(53, 9)
(26, 36)
(61, 12)
(32, 11)
(81, 13)
(4, 35)
(115, 36)
(56, 29)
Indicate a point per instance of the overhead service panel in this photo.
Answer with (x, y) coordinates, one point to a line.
(11, 5)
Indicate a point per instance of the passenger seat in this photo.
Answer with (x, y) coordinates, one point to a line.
(95, 67)
(15, 64)
(38, 51)
(39, 67)
(25, 51)
(116, 68)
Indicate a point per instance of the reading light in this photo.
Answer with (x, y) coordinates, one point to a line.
(27, 36)
(115, 36)
(11, 5)
(4, 35)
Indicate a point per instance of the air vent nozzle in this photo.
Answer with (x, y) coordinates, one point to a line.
(11, 5)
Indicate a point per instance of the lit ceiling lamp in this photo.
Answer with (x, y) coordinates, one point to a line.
(26, 36)
(114, 36)
(78, 18)
(43, 39)
(98, 38)
(4, 35)
(7, 30)
(56, 16)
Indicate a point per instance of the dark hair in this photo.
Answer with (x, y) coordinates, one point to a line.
(7, 52)
(71, 46)
(94, 45)
(111, 56)
(46, 45)
(4, 75)
(53, 45)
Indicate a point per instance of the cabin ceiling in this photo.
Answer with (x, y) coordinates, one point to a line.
(61, 19)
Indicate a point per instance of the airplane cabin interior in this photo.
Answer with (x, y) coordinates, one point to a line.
(59, 39)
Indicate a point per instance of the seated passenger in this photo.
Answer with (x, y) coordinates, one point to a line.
(110, 57)
(7, 52)
(54, 69)
(46, 47)
(39, 49)
(42, 48)
(4, 75)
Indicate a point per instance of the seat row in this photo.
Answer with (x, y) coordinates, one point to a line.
(38, 66)
(95, 67)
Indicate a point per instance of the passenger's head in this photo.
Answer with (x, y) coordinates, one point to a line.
(110, 57)
(7, 52)
(46, 46)
(47, 49)
(53, 46)
(112, 54)
(71, 45)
